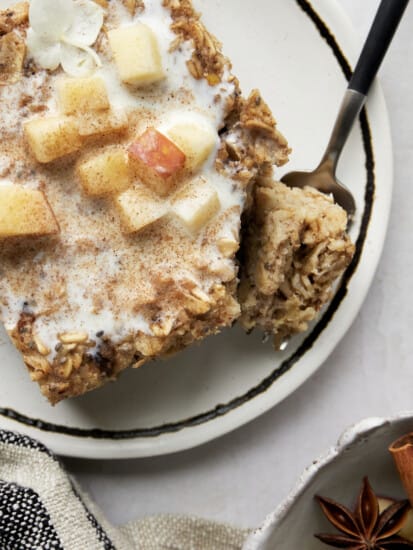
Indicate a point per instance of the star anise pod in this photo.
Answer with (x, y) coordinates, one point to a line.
(365, 528)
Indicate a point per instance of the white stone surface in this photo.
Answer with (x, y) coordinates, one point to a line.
(241, 477)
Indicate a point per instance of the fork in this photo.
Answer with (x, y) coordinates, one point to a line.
(379, 38)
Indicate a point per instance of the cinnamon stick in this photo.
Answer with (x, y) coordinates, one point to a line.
(402, 452)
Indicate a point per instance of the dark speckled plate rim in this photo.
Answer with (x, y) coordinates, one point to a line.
(307, 344)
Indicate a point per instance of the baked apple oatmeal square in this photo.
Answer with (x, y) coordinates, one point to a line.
(128, 160)
(121, 202)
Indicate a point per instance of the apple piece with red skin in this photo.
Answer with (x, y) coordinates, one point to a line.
(156, 161)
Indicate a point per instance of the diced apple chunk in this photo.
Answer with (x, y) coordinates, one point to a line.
(138, 209)
(102, 123)
(82, 95)
(12, 52)
(196, 204)
(136, 53)
(228, 246)
(157, 161)
(195, 140)
(25, 212)
(50, 138)
(106, 173)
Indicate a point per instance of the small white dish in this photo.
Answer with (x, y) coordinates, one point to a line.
(287, 49)
(361, 451)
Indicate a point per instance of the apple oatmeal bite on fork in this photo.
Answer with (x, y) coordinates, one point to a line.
(294, 248)
(127, 157)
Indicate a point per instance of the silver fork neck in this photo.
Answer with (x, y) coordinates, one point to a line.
(350, 109)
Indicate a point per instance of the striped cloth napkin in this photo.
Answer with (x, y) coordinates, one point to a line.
(42, 508)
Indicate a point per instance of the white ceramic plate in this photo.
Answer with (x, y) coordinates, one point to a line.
(297, 54)
(361, 451)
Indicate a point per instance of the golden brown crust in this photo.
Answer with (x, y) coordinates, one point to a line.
(207, 61)
(294, 249)
(14, 17)
(251, 116)
(77, 369)
(250, 141)
(133, 6)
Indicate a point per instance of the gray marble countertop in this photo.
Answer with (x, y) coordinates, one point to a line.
(243, 476)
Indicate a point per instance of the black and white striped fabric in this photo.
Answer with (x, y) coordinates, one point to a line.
(41, 508)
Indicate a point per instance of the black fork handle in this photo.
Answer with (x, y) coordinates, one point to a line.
(380, 36)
